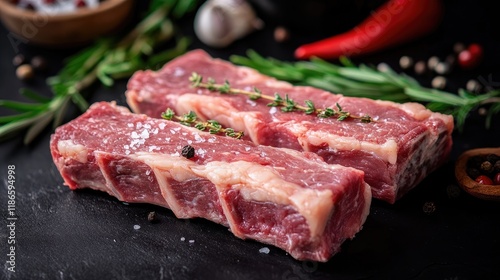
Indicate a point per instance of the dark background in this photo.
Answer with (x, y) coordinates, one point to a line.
(88, 235)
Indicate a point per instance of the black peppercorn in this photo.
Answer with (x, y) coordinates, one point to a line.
(453, 191)
(152, 217)
(187, 151)
(492, 158)
(496, 166)
(429, 208)
(473, 172)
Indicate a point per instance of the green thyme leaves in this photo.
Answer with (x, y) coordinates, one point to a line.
(285, 103)
(191, 119)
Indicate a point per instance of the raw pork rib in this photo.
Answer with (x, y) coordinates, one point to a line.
(404, 144)
(286, 198)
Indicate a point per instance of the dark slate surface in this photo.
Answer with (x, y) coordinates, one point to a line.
(62, 234)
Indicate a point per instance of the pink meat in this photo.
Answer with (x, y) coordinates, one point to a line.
(293, 200)
(402, 146)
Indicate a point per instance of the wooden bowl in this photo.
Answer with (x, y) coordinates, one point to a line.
(488, 192)
(64, 30)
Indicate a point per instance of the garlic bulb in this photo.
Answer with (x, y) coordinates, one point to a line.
(218, 23)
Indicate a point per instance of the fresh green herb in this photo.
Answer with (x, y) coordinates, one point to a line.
(285, 103)
(364, 81)
(105, 61)
(191, 119)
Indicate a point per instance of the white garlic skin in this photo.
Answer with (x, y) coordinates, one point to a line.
(218, 23)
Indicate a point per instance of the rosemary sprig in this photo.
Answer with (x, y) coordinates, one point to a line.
(105, 61)
(286, 103)
(191, 119)
(364, 81)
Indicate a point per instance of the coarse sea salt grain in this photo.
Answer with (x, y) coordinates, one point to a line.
(136, 227)
(152, 148)
(145, 134)
(162, 126)
(198, 138)
(178, 72)
(183, 239)
(201, 152)
(251, 102)
(264, 250)
(191, 241)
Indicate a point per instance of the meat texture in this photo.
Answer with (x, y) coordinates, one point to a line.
(403, 144)
(293, 200)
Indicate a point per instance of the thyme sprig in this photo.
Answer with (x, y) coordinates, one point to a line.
(285, 103)
(191, 119)
(105, 61)
(365, 81)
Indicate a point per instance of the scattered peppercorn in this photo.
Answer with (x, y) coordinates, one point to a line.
(453, 191)
(187, 151)
(473, 172)
(152, 217)
(39, 63)
(451, 60)
(405, 62)
(429, 207)
(18, 60)
(458, 47)
(442, 68)
(439, 82)
(470, 57)
(496, 166)
(420, 68)
(383, 67)
(492, 158)
(281, 34)
(482, 111)
(486, 166)
(432, 62)
(473, 86)
(496, 179)
(24, 72)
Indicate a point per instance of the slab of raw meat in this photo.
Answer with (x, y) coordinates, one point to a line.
(293, 200)
(404, 144)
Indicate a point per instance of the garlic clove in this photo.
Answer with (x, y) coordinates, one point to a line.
(218, 23)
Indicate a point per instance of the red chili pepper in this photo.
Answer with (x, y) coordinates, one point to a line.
(395, 22)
